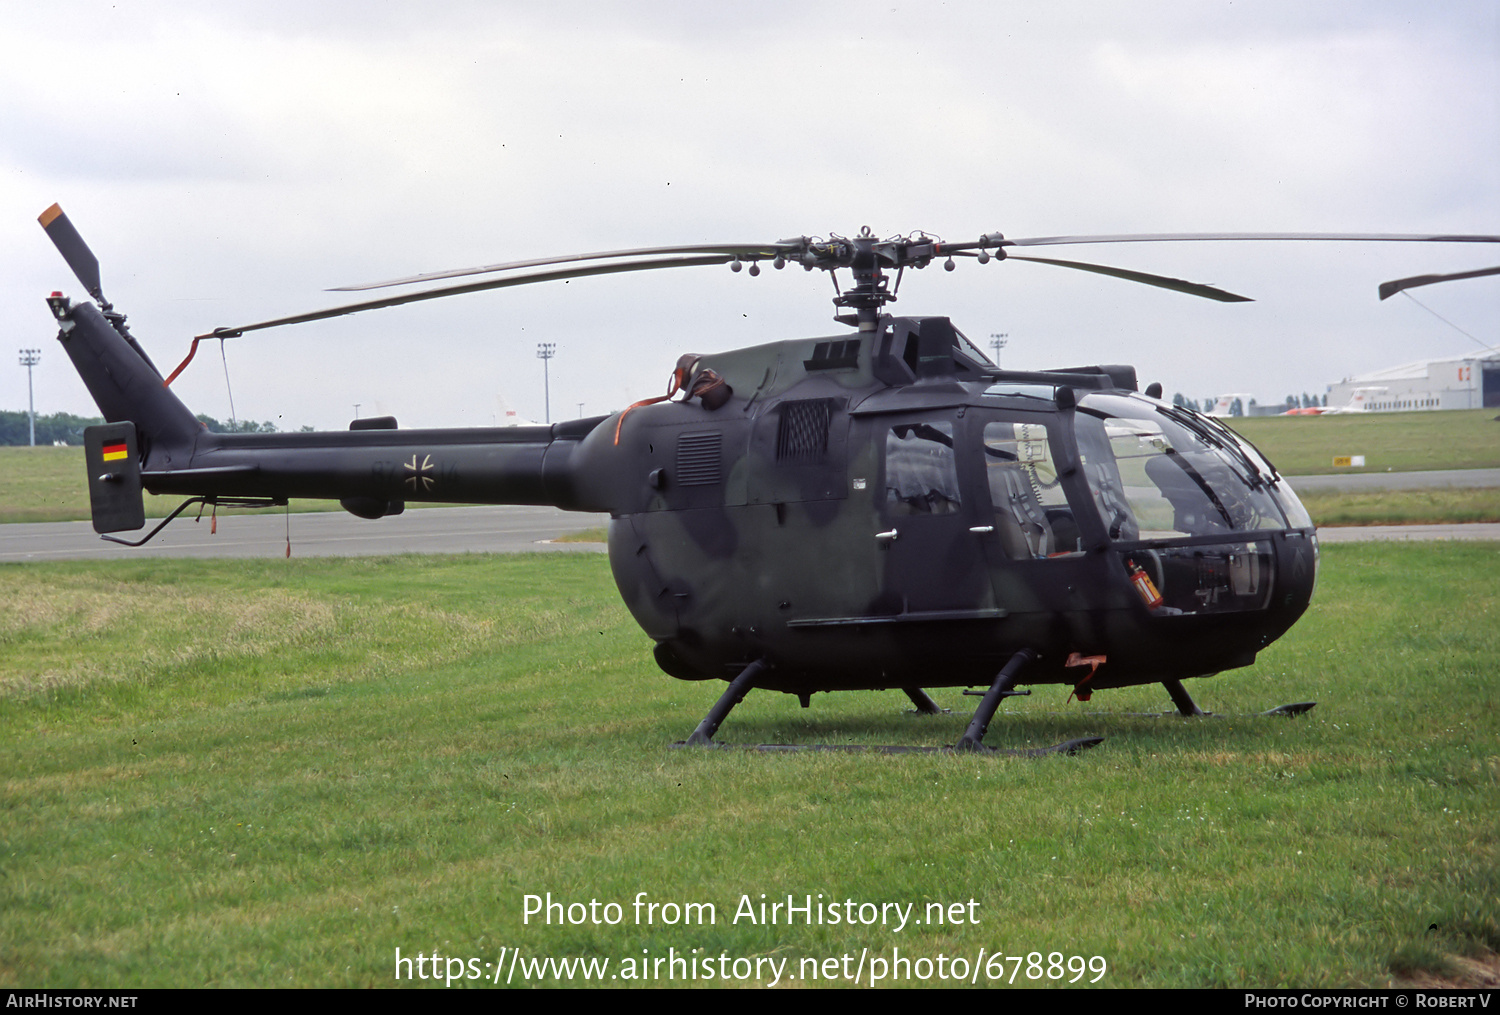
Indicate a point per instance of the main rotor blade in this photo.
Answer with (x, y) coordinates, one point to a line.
(1041, 241)
(1160, 281)
(471, 287)
(71, 246)
(1389, 289)
(733, 250)
(792, 248)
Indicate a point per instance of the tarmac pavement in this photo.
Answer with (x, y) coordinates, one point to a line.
(487, 529)
(1353, 481)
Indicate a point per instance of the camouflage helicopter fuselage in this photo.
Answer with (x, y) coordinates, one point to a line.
(796, 525)
(871, 511)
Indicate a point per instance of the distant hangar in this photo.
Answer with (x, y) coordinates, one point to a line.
(1463, 382)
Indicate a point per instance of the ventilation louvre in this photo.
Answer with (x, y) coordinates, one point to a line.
(698, 459)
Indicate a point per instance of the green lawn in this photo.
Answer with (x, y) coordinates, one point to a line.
(1390, 441)
(1438, 506)
(269, 773)
(44, 485)
(50, 485)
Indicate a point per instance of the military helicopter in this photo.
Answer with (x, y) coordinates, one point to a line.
(882, 508)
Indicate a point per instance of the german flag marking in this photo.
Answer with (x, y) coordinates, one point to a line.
(114, 452)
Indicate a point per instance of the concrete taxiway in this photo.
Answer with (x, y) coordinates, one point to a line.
(502, 529)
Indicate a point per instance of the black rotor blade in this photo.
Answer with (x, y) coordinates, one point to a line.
(471, 287)
(71, 246)
(731, 250)
(791, 248)
(1160, 281)
(1389, 289)
(1042, 241)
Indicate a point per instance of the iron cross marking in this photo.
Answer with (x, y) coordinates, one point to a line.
(419, 480)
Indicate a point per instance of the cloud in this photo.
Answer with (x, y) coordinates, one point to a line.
(229, 163)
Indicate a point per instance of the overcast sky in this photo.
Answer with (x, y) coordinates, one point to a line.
(228, 163)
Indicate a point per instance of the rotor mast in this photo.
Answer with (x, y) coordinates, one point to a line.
(869, 293)
(869, 258)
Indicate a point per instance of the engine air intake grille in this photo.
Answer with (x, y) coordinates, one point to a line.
(802, 434)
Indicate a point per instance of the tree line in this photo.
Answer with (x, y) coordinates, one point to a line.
(66, 428)
(1237, 408)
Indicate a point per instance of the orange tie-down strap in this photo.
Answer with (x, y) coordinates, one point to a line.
(1084, 692)
(674, 385)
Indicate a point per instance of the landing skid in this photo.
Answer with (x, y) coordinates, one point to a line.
(1188, 708)
(1296, 708)
(1282, 711)
(970, 743)
(1066, 747)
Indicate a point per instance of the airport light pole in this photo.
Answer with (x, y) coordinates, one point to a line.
(544, 352)
(29, 359)
(998, 341)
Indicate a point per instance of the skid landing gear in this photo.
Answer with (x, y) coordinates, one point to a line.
(970, 742)
(1187, 707)
(923, 702)
(740, 686)
(1004, 687)
(1296, 708)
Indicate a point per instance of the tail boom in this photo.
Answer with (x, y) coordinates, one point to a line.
(373, 471)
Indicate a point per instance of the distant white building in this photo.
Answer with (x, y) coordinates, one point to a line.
(1463, 382)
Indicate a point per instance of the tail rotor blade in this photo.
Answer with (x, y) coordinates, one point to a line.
(76, 252)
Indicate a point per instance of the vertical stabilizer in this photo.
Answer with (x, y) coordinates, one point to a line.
(125, 385)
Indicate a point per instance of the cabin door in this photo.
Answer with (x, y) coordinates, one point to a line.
(931, 516)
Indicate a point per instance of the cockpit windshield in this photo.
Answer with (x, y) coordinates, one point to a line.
(1160, 473)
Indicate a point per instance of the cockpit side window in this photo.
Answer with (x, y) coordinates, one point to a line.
(1105, 481)
(1032, 515)
(921, 470)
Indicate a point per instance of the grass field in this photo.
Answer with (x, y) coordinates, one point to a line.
(44, 485)
(49, 485)
(280, 773)
(1438, 506)
(1390, 441)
